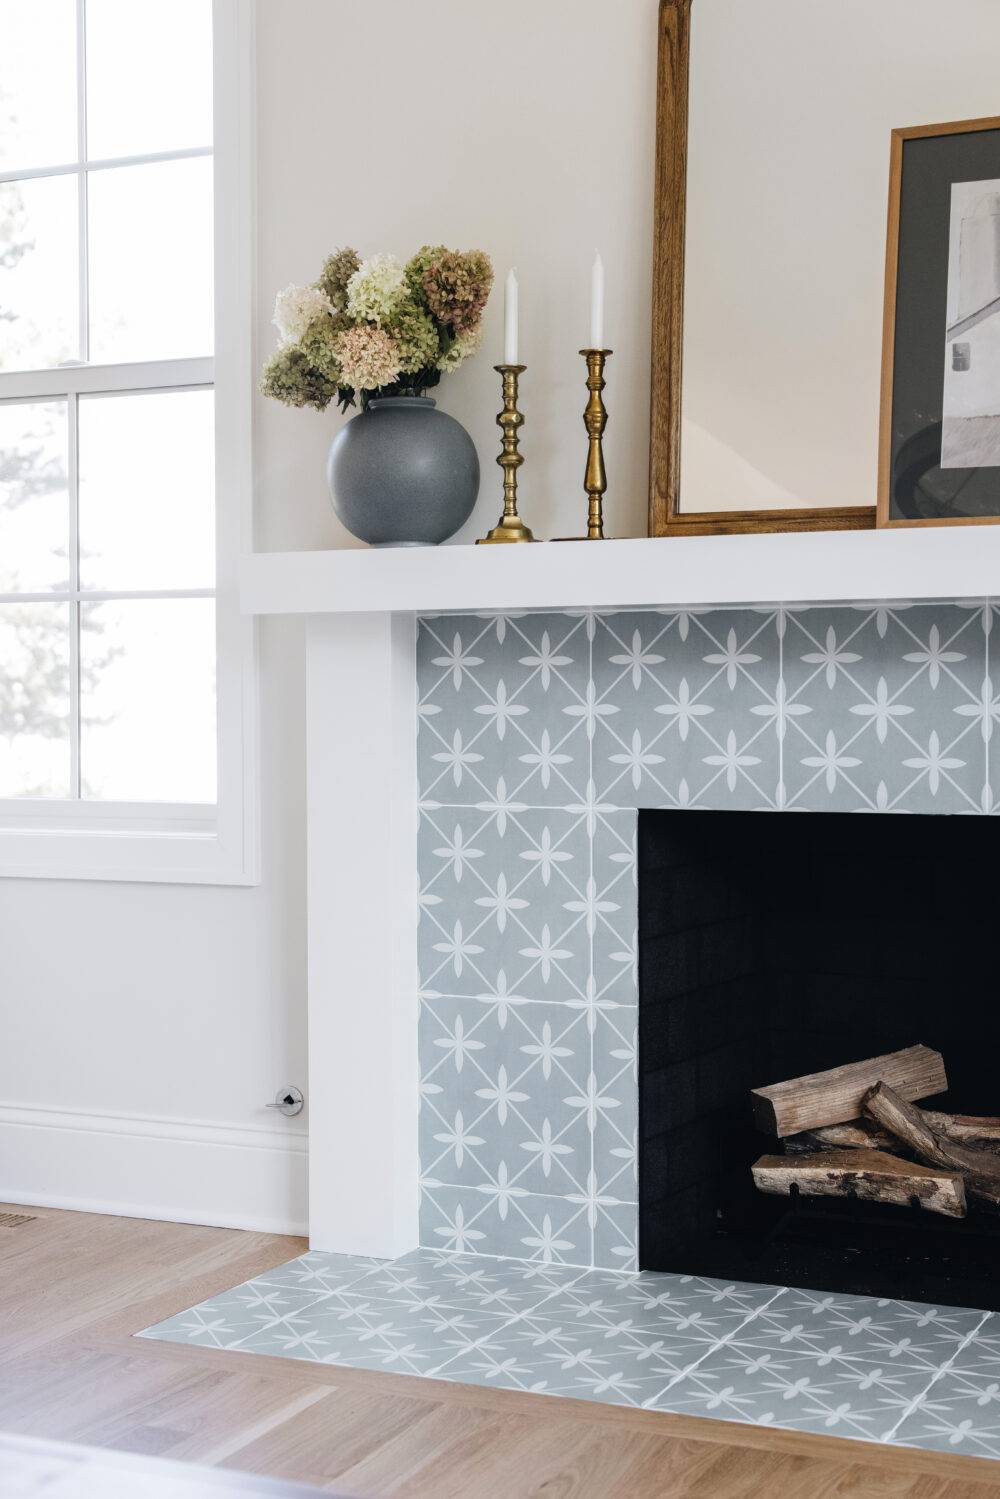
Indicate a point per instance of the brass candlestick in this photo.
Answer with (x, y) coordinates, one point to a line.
(595, 419)
(511, 527)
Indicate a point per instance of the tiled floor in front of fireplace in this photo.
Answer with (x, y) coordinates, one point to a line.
(881, 1371)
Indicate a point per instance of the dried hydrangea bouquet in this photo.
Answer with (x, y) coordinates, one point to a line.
(380, 333)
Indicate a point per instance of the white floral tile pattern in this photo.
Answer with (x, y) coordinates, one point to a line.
(688, 709)
(888, 709)
(877, 1370)
(539, 737)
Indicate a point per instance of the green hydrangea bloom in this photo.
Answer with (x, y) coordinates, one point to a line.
(417, 265)
(290, 377)
(319, 345)
(417, 337)
(338, 269)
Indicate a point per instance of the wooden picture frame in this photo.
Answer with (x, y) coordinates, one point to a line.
(669, 221)
(885, 518)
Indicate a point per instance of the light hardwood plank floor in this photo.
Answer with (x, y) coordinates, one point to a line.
(75, 1287)
(35, 1469)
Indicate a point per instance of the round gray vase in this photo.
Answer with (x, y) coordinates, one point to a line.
(403, 473)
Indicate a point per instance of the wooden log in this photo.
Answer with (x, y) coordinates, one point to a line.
(871, 1175)
(859, 1134)
(980, 1168)
(979, 1132)
(836, 1096)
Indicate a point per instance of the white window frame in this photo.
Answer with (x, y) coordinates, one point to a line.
(155, 841)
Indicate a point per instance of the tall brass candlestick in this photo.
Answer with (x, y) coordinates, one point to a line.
(595, 419)
(510, 421)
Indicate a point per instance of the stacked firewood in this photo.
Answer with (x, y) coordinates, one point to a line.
(856, 1131)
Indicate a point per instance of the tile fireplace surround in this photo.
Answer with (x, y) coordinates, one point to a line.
(539, 737)
(594, 682)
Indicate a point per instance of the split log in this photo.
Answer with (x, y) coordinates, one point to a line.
(869, 1174)
(860, 1134)
(981, 1133)
(836, 1096)
(980, 1168)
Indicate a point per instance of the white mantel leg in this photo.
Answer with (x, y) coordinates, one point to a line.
(361, 789)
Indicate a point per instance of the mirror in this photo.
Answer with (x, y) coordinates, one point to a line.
(774, 127)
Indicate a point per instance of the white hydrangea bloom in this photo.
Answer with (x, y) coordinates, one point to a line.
(296, 308)
(376, 289)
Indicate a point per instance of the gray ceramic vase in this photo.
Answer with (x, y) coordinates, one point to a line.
(403, 474)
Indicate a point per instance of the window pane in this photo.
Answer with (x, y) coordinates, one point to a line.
(149, 76)
(147, 513)
(34, 700)
(37, 84)
(39, 297)
(147, 686)
(151, 261)
(34, 497)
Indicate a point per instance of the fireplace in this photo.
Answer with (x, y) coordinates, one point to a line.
(771, 947)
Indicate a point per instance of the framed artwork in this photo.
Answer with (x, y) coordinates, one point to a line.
(939, 448)
(723, 472)
(774, 122)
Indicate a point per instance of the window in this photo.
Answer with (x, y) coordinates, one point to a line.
(125, 695)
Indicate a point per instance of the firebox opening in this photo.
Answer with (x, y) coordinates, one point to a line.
(775, 946)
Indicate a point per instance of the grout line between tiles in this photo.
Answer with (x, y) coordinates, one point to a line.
(945, 1368)
(651, 1403)
(440, 1370)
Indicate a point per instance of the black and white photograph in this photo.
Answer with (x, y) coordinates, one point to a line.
(970, 436)
(939, 450)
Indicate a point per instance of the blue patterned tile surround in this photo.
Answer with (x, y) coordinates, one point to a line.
(891, 1372)
(539, 737)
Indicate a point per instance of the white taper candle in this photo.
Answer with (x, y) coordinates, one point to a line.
(510, 319)
(597, 303)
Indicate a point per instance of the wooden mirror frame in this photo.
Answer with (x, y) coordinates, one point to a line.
(669, 221)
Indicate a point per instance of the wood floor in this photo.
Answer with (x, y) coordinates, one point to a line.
(75, 1287)
(34, 1469)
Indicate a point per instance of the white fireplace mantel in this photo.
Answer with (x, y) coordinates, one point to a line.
(806, 567)
(361, 780)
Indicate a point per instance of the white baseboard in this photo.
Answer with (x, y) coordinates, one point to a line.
(180, 1171)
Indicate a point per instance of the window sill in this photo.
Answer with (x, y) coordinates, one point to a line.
(119, 845)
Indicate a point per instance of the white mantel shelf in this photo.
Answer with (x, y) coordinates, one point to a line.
(961, 562)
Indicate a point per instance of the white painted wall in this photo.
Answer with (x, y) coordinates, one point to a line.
(526, 131)
(178, 1011)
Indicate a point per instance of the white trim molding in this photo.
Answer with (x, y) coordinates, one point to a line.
(362, 837)
(217, 844)
(137, 1166)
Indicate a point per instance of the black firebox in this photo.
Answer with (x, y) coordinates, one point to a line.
(773, 945)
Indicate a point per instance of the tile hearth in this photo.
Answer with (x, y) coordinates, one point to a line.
(891, 1372)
